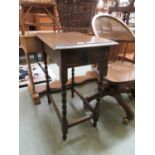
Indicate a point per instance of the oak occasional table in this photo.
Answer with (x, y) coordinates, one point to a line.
(69, 50)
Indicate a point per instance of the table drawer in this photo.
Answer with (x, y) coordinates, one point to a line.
(84, 58)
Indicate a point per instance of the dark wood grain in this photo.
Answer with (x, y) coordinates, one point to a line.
(73, 40)
(65, 50)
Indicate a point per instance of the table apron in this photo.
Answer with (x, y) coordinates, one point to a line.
(79, 57)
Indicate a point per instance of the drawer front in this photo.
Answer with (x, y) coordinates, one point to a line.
(88, 56)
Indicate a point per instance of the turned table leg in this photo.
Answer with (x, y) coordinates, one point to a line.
(64, 113)
(72, 83)
(63, 76)
(46, 74)
(96, 113)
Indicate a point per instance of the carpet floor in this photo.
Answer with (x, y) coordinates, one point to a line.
(40, 130)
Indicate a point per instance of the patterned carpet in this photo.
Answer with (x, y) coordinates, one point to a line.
(37, 71)
(53, 70)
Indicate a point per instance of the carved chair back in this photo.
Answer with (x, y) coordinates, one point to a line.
(76, 15)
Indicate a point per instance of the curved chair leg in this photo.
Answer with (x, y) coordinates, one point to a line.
(127, 108)
(133, 93)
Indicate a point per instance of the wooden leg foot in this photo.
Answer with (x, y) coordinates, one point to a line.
(48, 98)
(127, 108)
(64, 137)
(125, 120)
(36, 99)
(95, 124)
(35, 96)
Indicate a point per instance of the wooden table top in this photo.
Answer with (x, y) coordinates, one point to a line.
(73, 40)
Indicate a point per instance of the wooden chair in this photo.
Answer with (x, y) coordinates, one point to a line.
(76, 15)
(128, 53)
(125, 10)
(120, 77)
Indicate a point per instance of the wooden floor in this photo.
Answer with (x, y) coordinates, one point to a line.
(40, 131)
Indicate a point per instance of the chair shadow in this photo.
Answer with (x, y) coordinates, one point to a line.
(111, 117)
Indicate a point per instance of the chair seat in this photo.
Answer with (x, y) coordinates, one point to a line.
(121, 72)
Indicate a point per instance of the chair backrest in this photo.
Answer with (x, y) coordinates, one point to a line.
(107, 26)
(76, 15)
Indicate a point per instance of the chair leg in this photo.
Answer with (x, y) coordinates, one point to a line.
(127, 108)
(112, 91)
(133, 93)
(72, 83)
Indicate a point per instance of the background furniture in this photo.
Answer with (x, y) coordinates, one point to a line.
(125, 10)
(44, 7)
(121, 76)
(44, 22)
(126, 50)
(76, 15)
(31, 45)
(28, 41)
